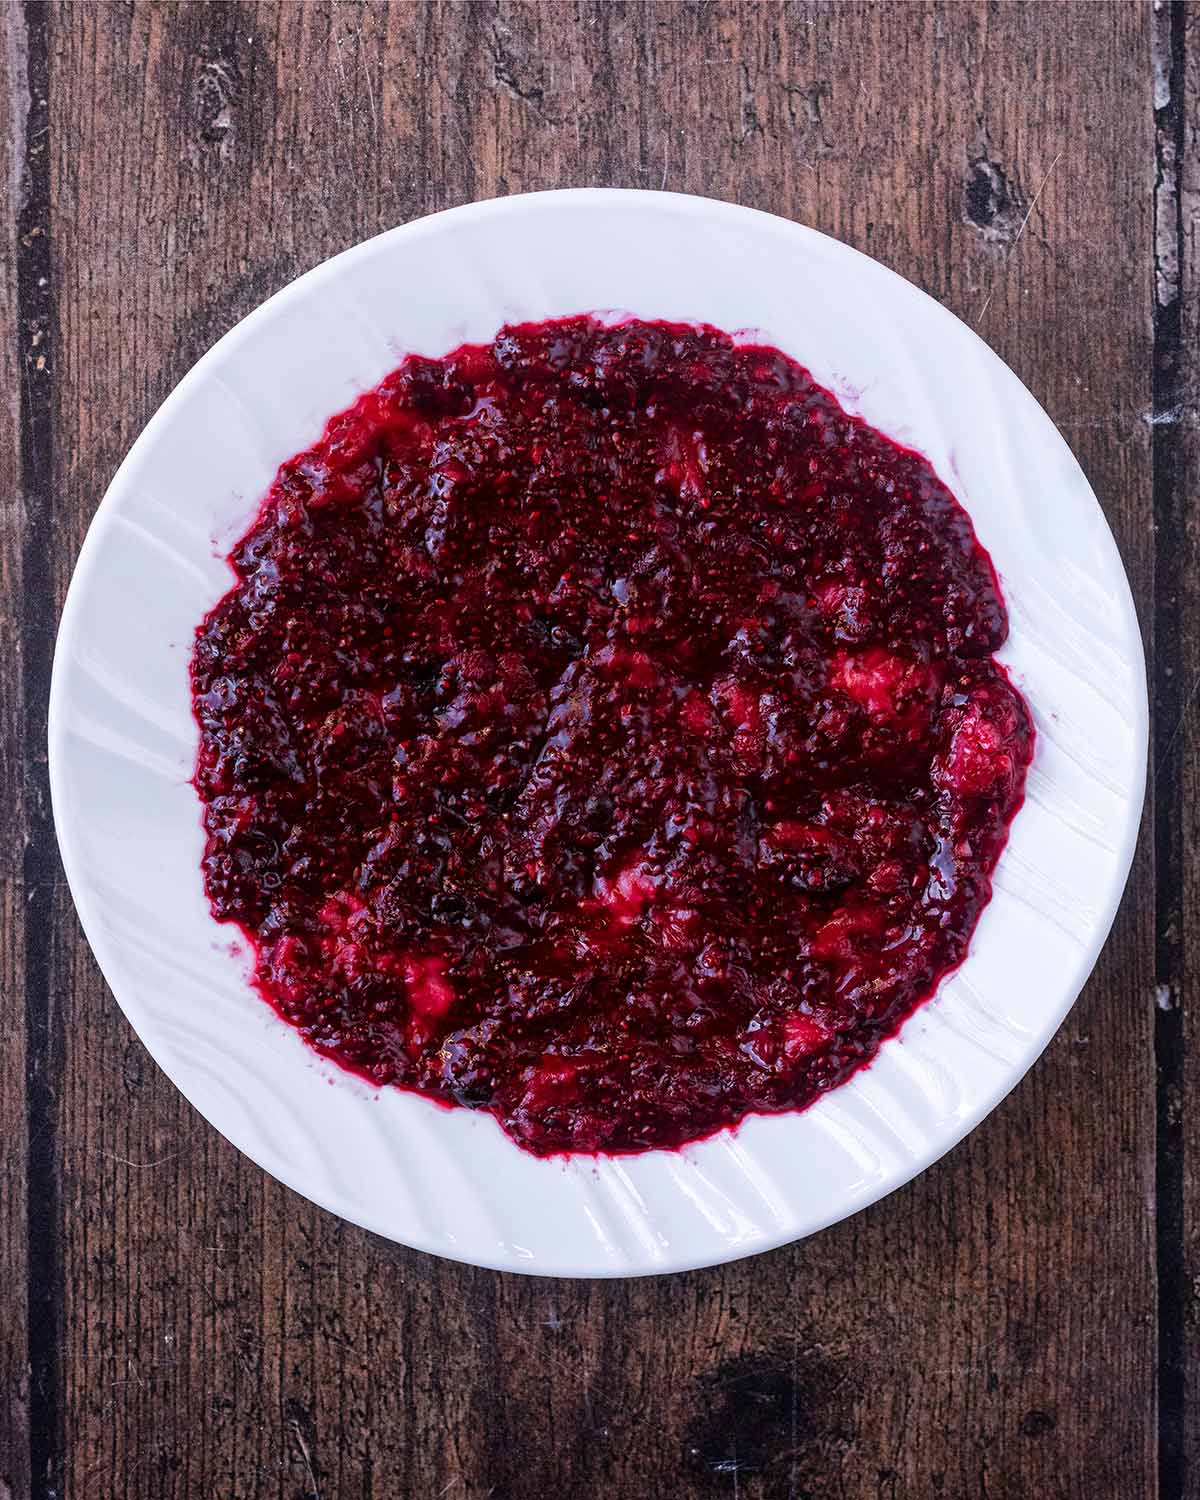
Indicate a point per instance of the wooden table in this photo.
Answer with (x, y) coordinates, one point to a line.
(1022, 1320)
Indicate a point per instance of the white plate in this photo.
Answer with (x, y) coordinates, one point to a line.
(123, 741)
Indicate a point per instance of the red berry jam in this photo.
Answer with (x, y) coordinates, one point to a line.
(603, 732)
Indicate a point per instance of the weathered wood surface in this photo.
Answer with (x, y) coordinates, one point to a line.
(14, 1218)
(1176, 759)
(173, 1323)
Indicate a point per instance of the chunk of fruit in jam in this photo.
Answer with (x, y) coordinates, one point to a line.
(802, 1035)
(885, 684)
(987, 741)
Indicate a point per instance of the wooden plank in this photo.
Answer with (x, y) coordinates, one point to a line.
(988, 1331)
(25, 1226)
(14, 1413)
(1176, 748)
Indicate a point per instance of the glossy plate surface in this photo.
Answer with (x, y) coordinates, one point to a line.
(123, 741)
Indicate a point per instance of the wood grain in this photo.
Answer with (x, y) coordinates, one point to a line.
(1176, 748)
(989, 1331)
(14, 1143)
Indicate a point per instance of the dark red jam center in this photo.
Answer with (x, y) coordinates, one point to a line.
(603, 732)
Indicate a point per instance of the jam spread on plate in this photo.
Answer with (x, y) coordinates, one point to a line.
(603, 732)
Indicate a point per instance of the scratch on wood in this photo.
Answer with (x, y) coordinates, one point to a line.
(1169, 416)
(575, 111)
(1188, 701)
(124, 1161)
(452, 114)
(306, 1455)
(1021, 230)
(337, 59)
(366, 71)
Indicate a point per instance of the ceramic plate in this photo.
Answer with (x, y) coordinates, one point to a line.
(123, 741)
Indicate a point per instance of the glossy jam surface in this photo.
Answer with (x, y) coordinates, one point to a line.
(603, 732)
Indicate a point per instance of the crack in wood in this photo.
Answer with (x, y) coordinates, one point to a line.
(1171, 702)
(36, 333)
